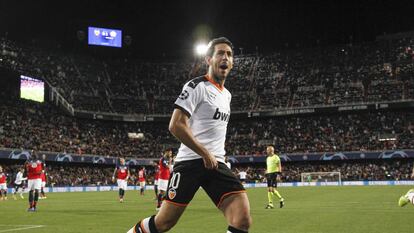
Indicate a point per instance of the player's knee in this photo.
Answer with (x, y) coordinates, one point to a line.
(242, 221)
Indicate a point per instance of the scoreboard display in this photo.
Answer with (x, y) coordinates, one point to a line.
(104, 37)
(32, 89)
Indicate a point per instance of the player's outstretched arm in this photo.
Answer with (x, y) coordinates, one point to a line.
(180, 128)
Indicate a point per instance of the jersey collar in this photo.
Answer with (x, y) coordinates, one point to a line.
(214, 83)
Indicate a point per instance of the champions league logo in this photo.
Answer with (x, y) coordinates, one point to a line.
(132, 162)
(393, 155)
(19, 154)
(284, 158)
(232, 159)
(336, 156)
(64, 158)
(98, 160)
(184, 95)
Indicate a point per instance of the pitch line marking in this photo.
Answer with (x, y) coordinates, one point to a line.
(21, 227)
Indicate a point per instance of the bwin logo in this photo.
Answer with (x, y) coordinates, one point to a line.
(221, 115)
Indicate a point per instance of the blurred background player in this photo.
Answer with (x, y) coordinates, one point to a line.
(141, 180)
(3, 185)
(409, 196)
(164, 175)
(242, 174)
(19, 184)
(34, 169)
(42, 191)
(273, 170)
(122, 175)
(405, 199)
(156, 176)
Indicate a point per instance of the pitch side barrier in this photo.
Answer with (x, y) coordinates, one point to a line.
(247, 185)
(24, 155)
(334, 183)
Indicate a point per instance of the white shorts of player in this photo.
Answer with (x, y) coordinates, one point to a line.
(3, 186)
(142, 184)
(43, 184)
(155, 182)
(33, 184)
(122, 184)
(162, 184)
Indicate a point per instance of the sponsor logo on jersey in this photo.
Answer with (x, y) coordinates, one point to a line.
(221, 115)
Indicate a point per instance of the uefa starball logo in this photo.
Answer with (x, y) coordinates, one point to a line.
(184, 95)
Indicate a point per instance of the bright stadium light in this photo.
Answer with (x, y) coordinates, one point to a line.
(201, 49)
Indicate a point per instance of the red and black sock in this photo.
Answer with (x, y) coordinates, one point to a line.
(160, 199)
(36, 198)
(31, 198)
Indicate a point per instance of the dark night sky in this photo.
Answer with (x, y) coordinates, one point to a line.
(172, 27)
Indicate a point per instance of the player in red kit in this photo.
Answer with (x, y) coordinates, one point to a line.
(3, 185)
(141, 180)
(122, 175)
(34, 169)
(164, 175)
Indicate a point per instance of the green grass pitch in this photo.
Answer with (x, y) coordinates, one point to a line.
(36, 94)
(367, 209)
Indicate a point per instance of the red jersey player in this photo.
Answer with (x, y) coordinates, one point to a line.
(3, 185)
(34, 169)
(141, 180)
(164, 175)
(122, 175)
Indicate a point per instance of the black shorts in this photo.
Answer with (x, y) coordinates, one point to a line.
(16, 186)
(188, 176)
(272, 179)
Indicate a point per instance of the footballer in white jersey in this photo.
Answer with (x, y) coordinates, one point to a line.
(208, 107)
(199, 121)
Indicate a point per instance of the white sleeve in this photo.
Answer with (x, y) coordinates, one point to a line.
(189, 98)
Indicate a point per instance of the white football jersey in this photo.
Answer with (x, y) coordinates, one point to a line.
(209, 110)
(19, 178)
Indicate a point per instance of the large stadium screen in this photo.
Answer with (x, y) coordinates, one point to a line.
(105, 37)
(32, 89)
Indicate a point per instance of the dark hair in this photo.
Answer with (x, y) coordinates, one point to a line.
(213, 42)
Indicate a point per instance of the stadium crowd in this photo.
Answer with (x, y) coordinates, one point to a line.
(42, 127)
(370, 72)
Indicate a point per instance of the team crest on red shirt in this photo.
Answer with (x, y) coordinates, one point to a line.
(172, 193)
